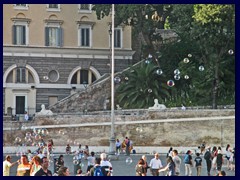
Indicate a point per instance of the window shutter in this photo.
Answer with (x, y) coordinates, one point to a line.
(46, 36)
(18, 75)
(23, 75)
(14, 34)
(87, 37)
(60, 37)
(82, 37)
(24, 35)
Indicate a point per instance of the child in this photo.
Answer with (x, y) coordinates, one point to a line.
(198, 162)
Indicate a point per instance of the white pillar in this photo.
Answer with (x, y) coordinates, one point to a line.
(112, 137)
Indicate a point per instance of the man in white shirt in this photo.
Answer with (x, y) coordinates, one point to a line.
(155, 165)
(106, 164)
(7, 165)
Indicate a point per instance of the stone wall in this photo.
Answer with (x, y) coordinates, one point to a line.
(144, 128)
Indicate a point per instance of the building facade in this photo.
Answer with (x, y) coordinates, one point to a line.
(52, 50)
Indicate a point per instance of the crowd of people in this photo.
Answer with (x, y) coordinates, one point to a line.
(38, 164)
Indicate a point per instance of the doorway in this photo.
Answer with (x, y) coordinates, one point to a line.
(20, 104)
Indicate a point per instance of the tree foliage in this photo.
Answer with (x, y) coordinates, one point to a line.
(205, 31)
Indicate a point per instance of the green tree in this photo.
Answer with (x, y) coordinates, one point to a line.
(210, 30)
(142, 84)
(144, 19)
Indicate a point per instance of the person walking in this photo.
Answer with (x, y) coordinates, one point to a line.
(91, 161)
(36, 165)
(7, 165)
(44, 171)
(177, 160)
(118, 146)
(170, 167)
(219, 161)
(228, 155)
(139, 168)
(127, 142)
(106, 165)
(59, 163)
(188, 163)
(24, 167)
(155, 165)
(145, 166)
(207, 157)
(198, 164)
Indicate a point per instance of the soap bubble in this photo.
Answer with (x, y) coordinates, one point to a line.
(75, 160)
(69, 141)
(186, 77)
(129, 160)
(201, 68)
(230, 51)
(177, 77)
(149, 90)
(37, 137)
(117, 79)
(186, 60)
(139, 129)
(170, 83)
(176, 71)
(159, 71)
(18, 139)
(28, 134)
(61, 132)
(28, 139)
(44, 131)
(147, 61)
(81, 165)
(149, 56)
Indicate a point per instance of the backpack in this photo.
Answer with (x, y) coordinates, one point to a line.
(186, 159)
(98, 171)
(105, 170)
(207, 155)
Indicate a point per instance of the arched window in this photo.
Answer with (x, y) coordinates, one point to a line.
(83, 76)
(20, 75)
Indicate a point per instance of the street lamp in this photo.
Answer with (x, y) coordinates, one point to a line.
(112, 136)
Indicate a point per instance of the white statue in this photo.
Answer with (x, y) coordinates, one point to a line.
(118, 107)
(44, 111)
(157, 105)
(183, 107)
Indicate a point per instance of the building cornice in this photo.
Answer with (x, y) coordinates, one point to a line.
(65, 52)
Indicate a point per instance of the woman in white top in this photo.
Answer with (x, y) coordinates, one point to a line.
(228, 155)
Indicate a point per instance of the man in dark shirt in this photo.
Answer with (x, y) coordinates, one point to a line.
(44, 171)
(198, 164)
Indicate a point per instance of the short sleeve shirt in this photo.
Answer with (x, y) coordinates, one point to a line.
(6, 168)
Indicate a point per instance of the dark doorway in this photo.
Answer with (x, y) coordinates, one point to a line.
(20, 104)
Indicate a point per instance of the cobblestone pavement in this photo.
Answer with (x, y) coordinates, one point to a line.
(122, 166)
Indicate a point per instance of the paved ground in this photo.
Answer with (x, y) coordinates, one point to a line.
(122, 167)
